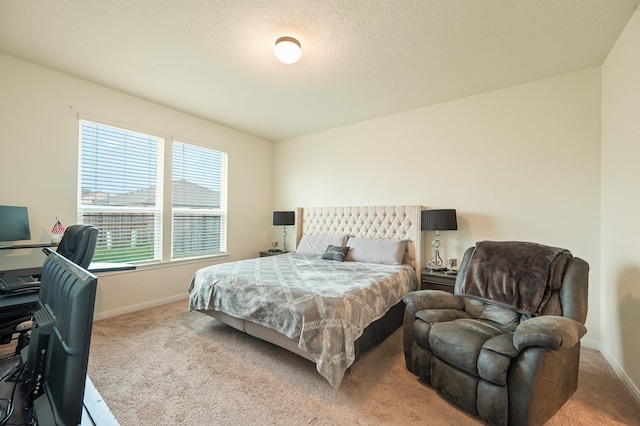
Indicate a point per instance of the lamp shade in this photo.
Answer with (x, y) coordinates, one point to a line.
(439, 220)
(287, 50)
(284, 218)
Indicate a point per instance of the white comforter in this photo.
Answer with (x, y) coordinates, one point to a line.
(324, 304)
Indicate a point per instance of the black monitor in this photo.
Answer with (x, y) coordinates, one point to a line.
(14, 224)
(58, 354)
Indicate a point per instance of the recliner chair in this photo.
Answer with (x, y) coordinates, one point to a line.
(78, 244)
(500, 347)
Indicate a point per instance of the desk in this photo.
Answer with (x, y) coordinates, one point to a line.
(27, 246)
(95, 411)
(17, 308)
(22, 272)
(14, 307)
(14, 310)
(94, 267)
(10, 302)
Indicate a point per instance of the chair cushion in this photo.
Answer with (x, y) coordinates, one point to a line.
(459, 342)
(495, 357)
(426, 317)
(505, 317)
(484, 310)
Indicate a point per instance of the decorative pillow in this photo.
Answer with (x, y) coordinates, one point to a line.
(377, 250)
(316, 244)
(335, 253)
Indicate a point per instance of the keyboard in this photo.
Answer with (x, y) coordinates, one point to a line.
(17, 284)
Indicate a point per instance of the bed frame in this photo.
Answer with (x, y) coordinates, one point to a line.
(396, 222)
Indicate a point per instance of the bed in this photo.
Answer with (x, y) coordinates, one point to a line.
(313, 303)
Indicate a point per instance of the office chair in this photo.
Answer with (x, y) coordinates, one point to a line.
(78, 244)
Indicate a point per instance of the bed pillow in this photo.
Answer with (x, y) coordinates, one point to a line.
(335, 253)
(377, 250)
(317, 244)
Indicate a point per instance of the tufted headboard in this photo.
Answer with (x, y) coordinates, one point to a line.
(396, 222)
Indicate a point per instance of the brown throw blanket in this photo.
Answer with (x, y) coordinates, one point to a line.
(513, 274)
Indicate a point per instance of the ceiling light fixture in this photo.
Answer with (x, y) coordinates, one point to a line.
(287, 50)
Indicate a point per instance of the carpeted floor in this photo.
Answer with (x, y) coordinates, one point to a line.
(168, 366)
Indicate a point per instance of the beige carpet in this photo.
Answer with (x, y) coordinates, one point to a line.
(168, 366)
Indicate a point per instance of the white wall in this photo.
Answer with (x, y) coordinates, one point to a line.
(39, 167)
(620, 293)
(518, 164)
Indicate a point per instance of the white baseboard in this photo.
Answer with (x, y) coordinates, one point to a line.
(592, 344)
(139, 307)
(620, 373)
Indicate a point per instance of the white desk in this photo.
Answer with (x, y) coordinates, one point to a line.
(95, 411)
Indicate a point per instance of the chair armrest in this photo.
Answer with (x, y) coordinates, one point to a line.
(549, 331)
(432, 299)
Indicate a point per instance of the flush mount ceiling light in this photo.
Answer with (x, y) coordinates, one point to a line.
(287, 50)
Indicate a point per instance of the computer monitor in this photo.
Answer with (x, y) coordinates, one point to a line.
(14, 224)
(58, 354)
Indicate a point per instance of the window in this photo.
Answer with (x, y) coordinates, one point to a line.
(199, 204)
(120, 192)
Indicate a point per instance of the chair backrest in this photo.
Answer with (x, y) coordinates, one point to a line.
(569, 295)
(78, 244)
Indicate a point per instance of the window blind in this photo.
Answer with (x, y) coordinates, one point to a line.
(199, 204)
(120, 192)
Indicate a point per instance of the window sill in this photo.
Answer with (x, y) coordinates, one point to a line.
(171, 263)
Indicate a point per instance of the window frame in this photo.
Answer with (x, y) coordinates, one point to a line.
(163, 209)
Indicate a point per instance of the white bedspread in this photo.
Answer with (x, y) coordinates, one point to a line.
(324, 304)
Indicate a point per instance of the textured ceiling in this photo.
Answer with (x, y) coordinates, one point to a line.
(361, 58)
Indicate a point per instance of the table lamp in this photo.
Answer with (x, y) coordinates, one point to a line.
(284, 219)
(438, 220)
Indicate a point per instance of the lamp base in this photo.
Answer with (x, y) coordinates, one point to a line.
(435, 263)
(284, 239)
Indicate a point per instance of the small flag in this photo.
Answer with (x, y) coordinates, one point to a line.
(57, 228)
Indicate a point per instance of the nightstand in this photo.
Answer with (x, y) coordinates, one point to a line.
(271, 253)
(437, 281)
